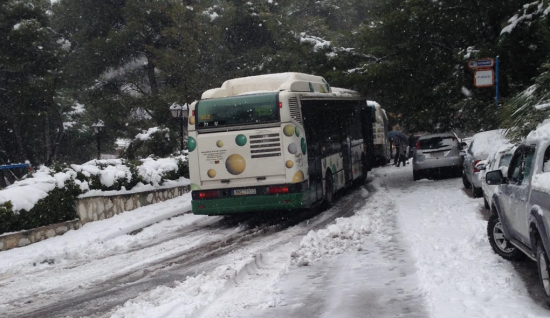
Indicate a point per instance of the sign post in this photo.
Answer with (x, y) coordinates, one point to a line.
(496, 81)
(484, 76)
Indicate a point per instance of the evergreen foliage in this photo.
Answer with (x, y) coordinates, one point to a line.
(160, 144)
(127, 61)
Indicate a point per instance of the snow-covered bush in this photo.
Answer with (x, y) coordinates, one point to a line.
(48, 196)
(156, 141)
(57, 206)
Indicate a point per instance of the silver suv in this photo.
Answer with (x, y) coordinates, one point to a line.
(437, 154)
(520, 222)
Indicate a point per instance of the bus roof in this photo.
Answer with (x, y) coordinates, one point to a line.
(293, 82)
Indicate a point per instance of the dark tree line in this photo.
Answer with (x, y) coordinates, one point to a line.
(63, 66)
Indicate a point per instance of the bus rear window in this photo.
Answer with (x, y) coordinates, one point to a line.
(238, 110)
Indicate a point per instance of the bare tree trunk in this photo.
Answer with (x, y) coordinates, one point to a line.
(57, 140)
(18, 141)
(151, 75)
(47, 147)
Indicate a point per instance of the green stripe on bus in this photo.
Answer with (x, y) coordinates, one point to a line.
(253, 203)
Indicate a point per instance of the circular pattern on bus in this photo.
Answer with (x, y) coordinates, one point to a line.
(194, 186)
(240, 140)
(297, 131)
(289, 164)
(211, 173)
(304, 146)
(292, 148)
(235, 164)
(191, 144)
(288, 130)
(298, 177)
(219, 143)
(192, 120)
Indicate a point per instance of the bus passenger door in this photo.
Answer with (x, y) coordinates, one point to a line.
(314, 164)
(345, 121)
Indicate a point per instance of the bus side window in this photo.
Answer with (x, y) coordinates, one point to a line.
(355, 128)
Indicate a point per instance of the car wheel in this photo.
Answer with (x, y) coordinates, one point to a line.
(329, 194)
(417, 175)
(477, 192)
(486, 204)
(499, 242)
(544, 271)
(465, 182)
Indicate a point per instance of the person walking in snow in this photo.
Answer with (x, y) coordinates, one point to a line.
(401, 153)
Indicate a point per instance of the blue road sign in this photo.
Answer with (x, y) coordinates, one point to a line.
(483, 63)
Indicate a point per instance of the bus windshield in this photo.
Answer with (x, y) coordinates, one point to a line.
(238, 110)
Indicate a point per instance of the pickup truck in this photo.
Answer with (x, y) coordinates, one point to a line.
(520, 220)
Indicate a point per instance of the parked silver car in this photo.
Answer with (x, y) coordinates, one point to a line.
(437, 154)
(483, 144)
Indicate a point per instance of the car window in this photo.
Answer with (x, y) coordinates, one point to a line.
(526, 166)
(546, 160)
(470, 148)
(437, 142)
(515, 167)
(505, 160)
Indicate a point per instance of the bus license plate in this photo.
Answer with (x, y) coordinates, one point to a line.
(244, 192)
(436, 154)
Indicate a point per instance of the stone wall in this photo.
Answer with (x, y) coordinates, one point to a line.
(19, 239)
(91, 209)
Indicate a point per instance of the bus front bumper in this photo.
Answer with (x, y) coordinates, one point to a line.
(252, 203)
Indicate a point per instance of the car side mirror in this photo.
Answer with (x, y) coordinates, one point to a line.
(494, 177)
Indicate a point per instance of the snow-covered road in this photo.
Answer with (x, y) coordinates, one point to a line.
(393, 248)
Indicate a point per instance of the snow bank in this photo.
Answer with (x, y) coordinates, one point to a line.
(347, 234)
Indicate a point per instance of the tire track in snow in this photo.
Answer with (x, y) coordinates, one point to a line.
(97, 298)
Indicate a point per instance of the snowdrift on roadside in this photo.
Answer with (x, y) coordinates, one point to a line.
(347, 234)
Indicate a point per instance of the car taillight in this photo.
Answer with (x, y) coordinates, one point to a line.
(475, 164)
(277, 190)
(417, 146)
(208, 194)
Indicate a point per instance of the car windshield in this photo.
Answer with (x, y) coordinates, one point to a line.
(437, 142)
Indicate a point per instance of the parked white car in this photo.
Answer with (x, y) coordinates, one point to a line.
(483, 144)
(498, 160)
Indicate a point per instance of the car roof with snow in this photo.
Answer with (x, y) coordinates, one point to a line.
(487, 142)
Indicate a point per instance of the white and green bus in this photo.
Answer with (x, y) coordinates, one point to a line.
(275, 142)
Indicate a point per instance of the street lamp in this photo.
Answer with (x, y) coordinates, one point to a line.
(98, 127)
(180, 112)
